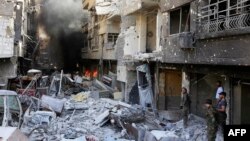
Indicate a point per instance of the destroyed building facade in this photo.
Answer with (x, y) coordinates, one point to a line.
(185, 43)
(101, 31)
(13, 25)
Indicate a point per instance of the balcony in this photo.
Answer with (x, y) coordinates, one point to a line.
(219, 19)
(134, 6)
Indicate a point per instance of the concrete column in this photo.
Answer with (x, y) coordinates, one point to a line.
(185, 80)
(141, 28)
(130, 82)
(158, 30)
(227, 89)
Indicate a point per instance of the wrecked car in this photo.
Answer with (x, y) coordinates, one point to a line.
(10, 109)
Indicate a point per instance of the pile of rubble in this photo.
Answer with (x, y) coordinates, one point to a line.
(108, 120)
(63, 110)
(74, 124)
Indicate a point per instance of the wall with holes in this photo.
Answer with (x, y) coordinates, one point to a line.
(226, 49)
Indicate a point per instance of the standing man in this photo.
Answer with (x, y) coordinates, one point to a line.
(221, 111)
(219, 90)
(185, 105)
(211, 122)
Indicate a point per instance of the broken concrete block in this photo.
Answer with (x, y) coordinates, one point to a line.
(100, 94)
(80, 96)
(110, 101)
(124, 104)
(172, 115)
(71, 104)
(165, 135)
(99, 84)
(101, 117)
(83, 138)
(104, 94)
(11, 134)
(117, 95)
(55, 104)
(32, 118)
(149, 136)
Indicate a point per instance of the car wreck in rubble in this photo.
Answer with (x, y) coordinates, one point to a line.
(10, 109)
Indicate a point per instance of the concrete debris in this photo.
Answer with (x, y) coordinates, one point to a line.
(171, 114)
(83, 138)
(52, 103)
(147, 56)
(117, 95)
(77, 101)
(126, 114)
(80, 96)
(101, 117)
(35, 119)
(72, 125)
(11, 134)
(86, 111)
(163, 134)
(34, 71)
(71, 105)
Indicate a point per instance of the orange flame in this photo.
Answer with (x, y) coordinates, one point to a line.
(95, 74)
(90, 74)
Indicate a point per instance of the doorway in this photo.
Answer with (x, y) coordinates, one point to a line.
(241, 104)
(170, 89)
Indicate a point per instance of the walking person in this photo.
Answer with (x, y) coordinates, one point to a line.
(221, 111)
(185, 106)
(211, 120)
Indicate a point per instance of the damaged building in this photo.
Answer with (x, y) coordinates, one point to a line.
(123, 64)
(182, 43)
(100, 52)
(13, 28)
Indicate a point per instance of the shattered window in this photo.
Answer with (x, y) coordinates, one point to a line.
(112, 37)
(180, 20)
(89, 43)
(93, 43)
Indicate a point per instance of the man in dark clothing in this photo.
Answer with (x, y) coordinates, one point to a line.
(185, 105)
(221, 111)
(211, 121)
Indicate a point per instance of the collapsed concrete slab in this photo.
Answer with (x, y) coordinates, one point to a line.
(52, 103)
(11, 134)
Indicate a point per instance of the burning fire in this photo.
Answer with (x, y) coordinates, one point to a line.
(90, 74)
(95, 74)
(87, 73)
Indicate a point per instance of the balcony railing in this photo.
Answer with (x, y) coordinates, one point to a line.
(228, 23)
(234, 16)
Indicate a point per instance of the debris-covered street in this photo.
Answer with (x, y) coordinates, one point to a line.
(93, 111)
(124, 70)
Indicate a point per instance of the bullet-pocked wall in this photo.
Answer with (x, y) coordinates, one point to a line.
(103, 29)
(220, 48)
(188, 38)
(126, 73)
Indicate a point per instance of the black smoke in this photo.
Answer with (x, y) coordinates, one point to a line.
(63, 20)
